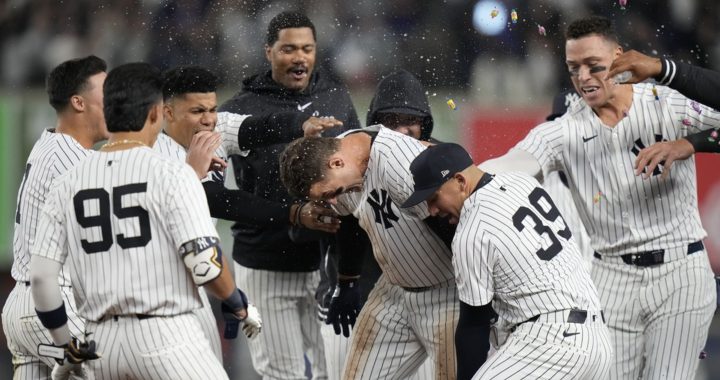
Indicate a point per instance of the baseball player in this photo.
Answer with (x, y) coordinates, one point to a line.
(75, 92)
(513, 251)
(412, 311)
(190, 112)
(650, 265)
(136, 233)
(278, 264)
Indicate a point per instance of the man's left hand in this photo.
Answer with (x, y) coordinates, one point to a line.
(662, 153)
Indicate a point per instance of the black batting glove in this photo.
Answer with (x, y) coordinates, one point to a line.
(344, 306)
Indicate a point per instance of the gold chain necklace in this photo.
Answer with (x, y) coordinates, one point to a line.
(120, 142)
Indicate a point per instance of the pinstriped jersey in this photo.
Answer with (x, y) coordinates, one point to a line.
(408, 251)
(52, 155)
(228, 125)
(118, 219)
(624, 213)
(513, 247)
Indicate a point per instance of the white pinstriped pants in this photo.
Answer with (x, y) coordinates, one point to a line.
(172, 348)
(208, 323)
(658, 316)
(397, 330)
(24, 332)
(539, 350)
(336, 349)
(291, 329)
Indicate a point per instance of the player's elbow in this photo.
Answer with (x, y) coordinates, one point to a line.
(42, 271)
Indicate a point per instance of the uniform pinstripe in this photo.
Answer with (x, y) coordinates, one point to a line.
(624, 214)
(52, 155)
(282, 296)
(130, 265)
(563, 200)
(397, 329)
(526, 274)
(227, 125)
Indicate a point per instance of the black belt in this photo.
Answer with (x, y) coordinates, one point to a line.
(138, 316)
(574, 316)
(419, 290)
(649, 258)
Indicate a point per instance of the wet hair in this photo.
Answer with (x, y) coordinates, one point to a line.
(592, 25)
(188, 79)
(286, 20)
(70, 78)
(303, 163)
(130, 91)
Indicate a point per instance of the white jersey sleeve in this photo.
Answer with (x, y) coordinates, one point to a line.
(473, 263)
(691, 114)
(185, 220)
(228, 125)
(53, 244)
(545, 142)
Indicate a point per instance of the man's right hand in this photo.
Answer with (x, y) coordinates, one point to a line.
(315, 216)
(75, 353)
(201, 153)
(640, 65)
(314, 126)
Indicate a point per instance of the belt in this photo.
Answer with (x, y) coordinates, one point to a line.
(138, 316)
(573, 316)
(649, 258)
(420, 290)
(27, 283)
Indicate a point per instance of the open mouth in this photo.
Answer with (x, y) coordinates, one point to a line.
(298, 72)
(587, 90)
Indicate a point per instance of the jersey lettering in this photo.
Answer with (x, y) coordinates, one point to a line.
(103, 221)
(382, 207)
(536, 197)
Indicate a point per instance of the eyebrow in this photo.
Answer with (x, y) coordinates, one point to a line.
(585, 60)
(333, 194)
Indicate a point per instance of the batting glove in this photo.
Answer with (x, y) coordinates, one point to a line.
(252, 323)
(344, 306)
(69, 357)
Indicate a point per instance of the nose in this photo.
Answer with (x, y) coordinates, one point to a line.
(583, 74)
(299, 56)
(433, 210)
(205, 119)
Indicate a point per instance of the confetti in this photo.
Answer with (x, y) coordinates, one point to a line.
(513, 16)
(703, 355)
(714, 134)
(625, 113)
(494, 13)
(541, 30)
(696, 106)
(622, 3)
(597, 197)
(686, 122)
(451, 104)
(654, 91)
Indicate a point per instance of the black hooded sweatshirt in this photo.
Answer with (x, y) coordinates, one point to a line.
(270, 247)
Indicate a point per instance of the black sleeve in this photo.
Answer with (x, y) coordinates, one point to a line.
(704, 141)
(242, 206)
(694, 82)
(472, 338)
(275, 128)
(442, 228)
(352, 241)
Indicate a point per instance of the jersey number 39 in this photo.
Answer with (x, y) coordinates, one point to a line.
(102, 219)
(551, 215)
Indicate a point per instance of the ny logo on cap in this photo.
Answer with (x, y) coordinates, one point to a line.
(444, 172)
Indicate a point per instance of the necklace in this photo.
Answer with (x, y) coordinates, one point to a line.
(120, 142)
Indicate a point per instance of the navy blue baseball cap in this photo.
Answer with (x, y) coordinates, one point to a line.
(435, 166)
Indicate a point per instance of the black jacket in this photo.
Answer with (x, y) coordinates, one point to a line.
(401, 92)
(269, 247)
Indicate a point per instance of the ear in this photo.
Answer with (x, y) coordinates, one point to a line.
(462, 181)
(155, 114)
(77, 102)
(336, 162)
(168, 112)
(618, 51)
(268, 52)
